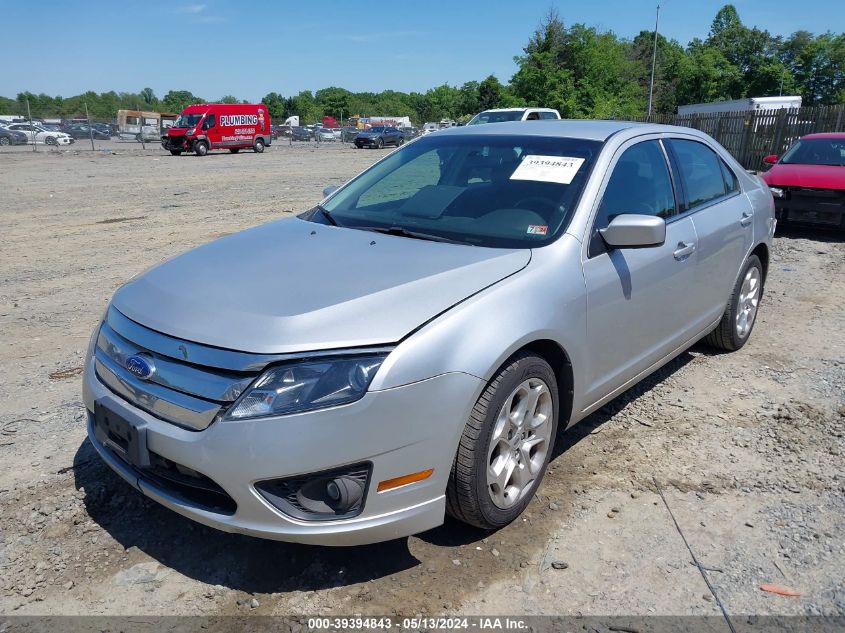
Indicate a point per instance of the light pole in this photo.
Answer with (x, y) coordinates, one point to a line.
(653, 63)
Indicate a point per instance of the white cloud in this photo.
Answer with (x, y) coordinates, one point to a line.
(192, 8)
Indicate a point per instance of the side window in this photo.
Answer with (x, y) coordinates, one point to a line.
(731, 181)
(533, 116)
(548, 115)
(210, 121)
(640, 183)
(701, 171)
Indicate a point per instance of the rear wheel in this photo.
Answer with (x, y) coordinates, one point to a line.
(506, 444)
(235, 150)
(739, 317)
(258, 146)
(201, 148)
(176, 152)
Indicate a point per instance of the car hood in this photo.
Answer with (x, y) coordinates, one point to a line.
(810, 176)
(294, 286)
(368, 134)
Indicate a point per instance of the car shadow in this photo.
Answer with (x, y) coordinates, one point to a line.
(254, 565)
(213, 557)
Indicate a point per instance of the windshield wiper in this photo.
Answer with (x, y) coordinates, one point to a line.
(327, 215)
(403, 232)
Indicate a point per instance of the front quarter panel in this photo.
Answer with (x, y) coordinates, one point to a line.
(544, 301)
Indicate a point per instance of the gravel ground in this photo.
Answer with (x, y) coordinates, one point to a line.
(746, 448)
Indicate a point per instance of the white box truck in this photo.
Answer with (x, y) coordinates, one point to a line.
(748, 104)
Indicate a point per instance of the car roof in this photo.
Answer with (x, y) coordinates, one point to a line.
(520, 109)
(569, 128)
(827, 135)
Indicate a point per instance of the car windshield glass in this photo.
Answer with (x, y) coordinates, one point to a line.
(816, 151)
(187, 120)
(496, 117)
(498, 191)
(379, 129)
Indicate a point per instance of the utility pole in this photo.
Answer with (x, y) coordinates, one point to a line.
(653, 63)
(90, 129)
(31, 131)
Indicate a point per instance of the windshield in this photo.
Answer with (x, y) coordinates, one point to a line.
(498, 191)
(496, 117)
(816, 151)
(378, 130)
(187, 120)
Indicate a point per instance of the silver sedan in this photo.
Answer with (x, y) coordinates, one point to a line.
(414, 345)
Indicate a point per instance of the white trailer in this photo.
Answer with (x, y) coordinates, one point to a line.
(748, 104)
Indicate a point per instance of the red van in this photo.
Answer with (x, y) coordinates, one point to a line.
(208, 126)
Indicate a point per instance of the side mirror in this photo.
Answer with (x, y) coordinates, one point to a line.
(329, 190)
(771, 159)
(631, 230)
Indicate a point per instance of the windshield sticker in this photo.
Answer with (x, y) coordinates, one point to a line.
(559, 169)
(537, 229)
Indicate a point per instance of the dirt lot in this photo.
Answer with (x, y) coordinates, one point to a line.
(747, 448)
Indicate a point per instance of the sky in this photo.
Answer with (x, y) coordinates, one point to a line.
(249, 48)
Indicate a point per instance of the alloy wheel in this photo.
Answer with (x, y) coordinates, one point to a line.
(747, 302)
(519, 442)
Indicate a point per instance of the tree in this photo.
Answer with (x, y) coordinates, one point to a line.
(275, 105)
(228, 99)
(489, 93)
(178, 100)
(148, 96)
(333, 101)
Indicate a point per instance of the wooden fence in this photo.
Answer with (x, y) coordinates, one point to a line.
(750, 136)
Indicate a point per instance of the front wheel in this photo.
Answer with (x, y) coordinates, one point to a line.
(258, 146)
(4, 141)
(739, 317)
(49, 141)
(506, 444)
(380, 143)
(201, 148)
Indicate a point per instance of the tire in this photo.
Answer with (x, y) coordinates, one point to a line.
(4, 141)
(138, 138)
(234, 150)
(49, 141)
(401, 142)
(258, 146)
(176, 152)
(734, 329)
(201, 148)
(380, 143)
(470, 495)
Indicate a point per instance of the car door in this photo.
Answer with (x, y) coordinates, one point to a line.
(26, 129)
(636, 297)
(723, 223)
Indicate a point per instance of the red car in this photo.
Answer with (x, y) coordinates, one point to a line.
(808, 181)
(208, 126)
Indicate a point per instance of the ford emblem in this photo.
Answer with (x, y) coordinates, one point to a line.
(140, 366)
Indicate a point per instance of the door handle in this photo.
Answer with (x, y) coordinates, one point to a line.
(746, 219)
(684, 250)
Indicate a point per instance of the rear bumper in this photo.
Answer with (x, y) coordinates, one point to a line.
(398, 431)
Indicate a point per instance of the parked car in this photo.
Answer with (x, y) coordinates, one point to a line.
(808, 181)
(38, 135)
(301, 134)
(379, 137)
(85, 131)
(324, 134)
(210, 126)
(12, 137)
(105, 128)
(497, 287)
(348, 134)
(499, 115)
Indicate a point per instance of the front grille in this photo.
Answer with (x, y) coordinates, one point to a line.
(183, 393)
(188, 484)
(813, 206)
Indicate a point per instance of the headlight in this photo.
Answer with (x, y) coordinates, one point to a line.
(777, 192)
(191, 131)
(307, 385)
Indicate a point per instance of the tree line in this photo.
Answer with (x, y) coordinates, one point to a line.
(580, 70)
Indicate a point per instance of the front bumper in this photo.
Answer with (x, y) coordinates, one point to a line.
(398, 431)
(820, 207)
(366, 142)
